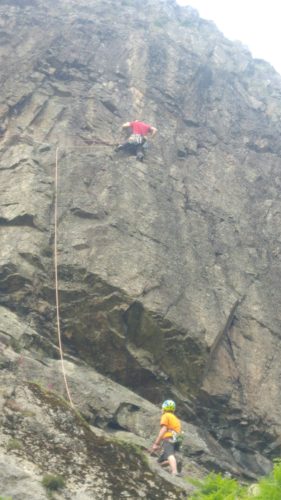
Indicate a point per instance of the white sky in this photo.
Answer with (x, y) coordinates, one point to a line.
(256, 23)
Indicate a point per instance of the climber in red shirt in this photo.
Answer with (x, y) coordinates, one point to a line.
(138, 136)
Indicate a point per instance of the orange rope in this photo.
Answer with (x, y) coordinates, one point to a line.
(56, 279)
(56, 258)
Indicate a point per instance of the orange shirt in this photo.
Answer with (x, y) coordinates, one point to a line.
(171, 422)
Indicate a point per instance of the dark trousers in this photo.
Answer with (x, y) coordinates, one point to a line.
(134, 149)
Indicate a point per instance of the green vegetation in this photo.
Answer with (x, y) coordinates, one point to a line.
(217, 487)
(16, 345)
(6, 498)
(132, 448)
(55, 399)
(28, 413)
(270, 486)
(14, 444)
(53, 483)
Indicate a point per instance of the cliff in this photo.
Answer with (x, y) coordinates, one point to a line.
(168, 270)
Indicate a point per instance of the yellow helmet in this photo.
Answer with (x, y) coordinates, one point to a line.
(169, 405)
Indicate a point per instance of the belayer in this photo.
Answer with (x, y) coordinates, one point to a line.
(169, 437)
(138, 132)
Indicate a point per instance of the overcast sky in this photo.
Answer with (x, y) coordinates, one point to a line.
(256, 23)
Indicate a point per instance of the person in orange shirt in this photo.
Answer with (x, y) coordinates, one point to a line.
(170, 428)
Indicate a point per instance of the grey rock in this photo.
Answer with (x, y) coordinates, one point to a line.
(168, 270)
(18, 482)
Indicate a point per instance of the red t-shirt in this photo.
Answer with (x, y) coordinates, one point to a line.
(140, 128)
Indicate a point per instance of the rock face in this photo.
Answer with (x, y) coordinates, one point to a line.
(169, 270)
(41, 432)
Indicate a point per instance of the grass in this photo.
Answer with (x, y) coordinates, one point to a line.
(217, 487)
(53, 483)
(14, 444)
(16, 345)
(270, 486)
(133, 448)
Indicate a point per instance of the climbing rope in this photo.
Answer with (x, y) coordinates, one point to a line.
(56, 279)
(94, 142)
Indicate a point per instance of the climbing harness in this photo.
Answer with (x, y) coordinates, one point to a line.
(136, 139)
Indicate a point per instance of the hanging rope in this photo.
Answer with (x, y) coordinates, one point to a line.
(56, 280)
(91, 141)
